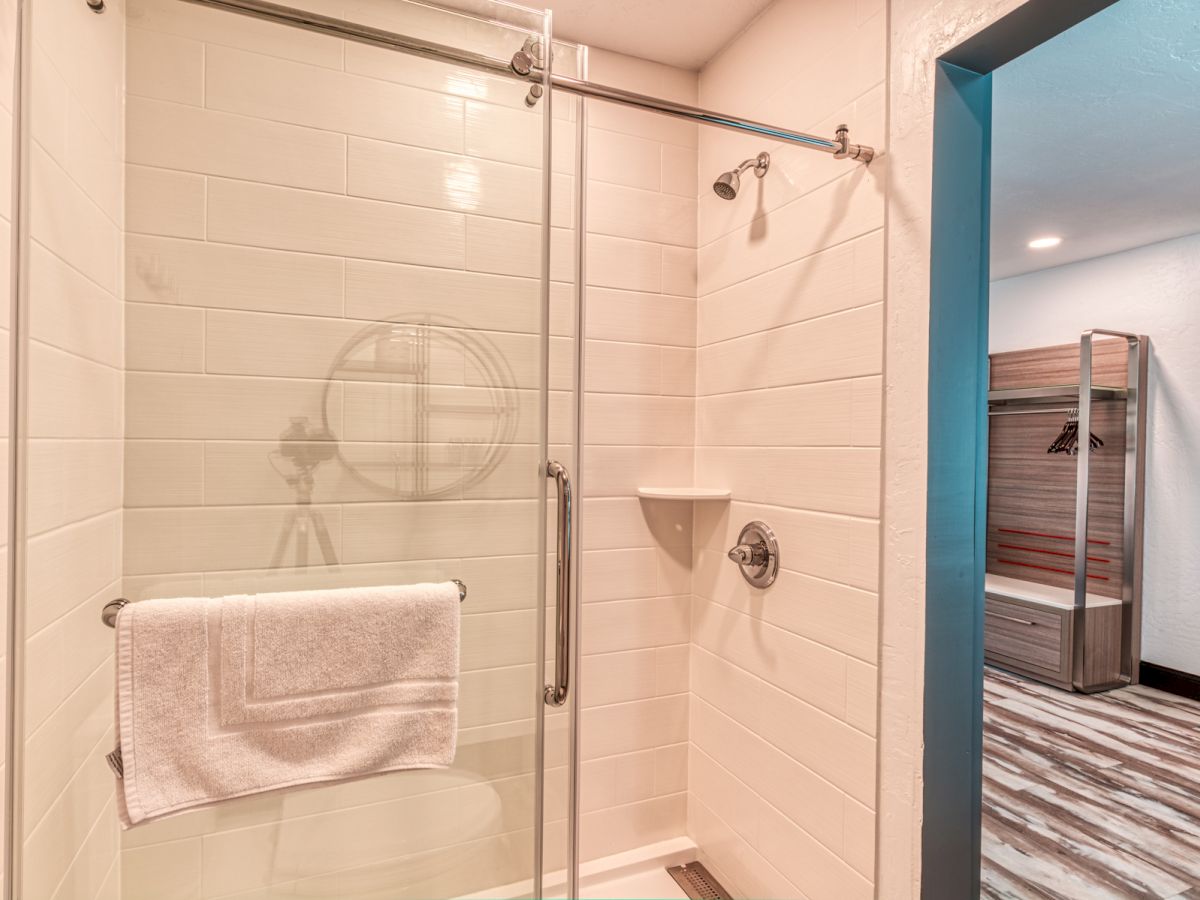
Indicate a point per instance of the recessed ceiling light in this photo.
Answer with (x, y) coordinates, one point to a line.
(1046, 242)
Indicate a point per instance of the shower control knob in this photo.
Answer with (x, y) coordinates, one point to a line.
(757, 554)
(749, 554)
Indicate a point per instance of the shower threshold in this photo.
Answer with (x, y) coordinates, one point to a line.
(637, 873)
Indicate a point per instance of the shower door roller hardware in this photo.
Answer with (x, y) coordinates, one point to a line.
(757, 554)
(96, 5)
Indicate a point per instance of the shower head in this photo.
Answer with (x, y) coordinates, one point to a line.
(727, 184)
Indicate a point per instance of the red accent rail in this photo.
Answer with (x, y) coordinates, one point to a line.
(1099, 559)
(1013, 562)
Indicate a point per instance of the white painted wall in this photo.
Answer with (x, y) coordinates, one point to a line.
(1153, 290)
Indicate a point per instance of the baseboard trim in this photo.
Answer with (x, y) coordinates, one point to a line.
(1185, 684)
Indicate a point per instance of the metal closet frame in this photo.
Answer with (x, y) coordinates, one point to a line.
(1018, 401)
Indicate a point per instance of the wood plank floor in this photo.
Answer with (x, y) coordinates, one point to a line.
(1089, 797)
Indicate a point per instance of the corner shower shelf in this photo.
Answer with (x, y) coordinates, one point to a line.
(683, 493)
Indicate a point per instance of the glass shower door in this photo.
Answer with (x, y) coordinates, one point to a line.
(336, 373)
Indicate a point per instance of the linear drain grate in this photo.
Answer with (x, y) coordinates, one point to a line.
(697, 882)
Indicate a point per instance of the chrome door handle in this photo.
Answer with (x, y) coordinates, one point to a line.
(556, 694)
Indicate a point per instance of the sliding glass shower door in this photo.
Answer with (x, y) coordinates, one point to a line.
(331, 352)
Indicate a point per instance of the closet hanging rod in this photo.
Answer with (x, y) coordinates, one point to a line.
(522, 68)
(108, 614)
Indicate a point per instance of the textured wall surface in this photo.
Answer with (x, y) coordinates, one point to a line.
(790, 351)
(1150, 290)
(919, 32)
(73, 491)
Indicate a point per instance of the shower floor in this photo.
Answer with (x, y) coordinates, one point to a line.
(639, 874)
(654, 884)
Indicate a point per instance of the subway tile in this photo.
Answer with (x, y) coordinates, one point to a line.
(71, 737)
(619, 575)
(806, 669)
(679, 171)
(287, 219)
(820, 742)
(619, 471)
(831, 614)
(61, 656)
(70, 225)
(72, 397)
(623, 368)
(635, 624)
(842, 277)
(846, 345)
(620, 828)
(94, 162)
(199, 539)
(628, 265)
(679, 268)
(858, 843)
(419, 177)
(72, 480)
(630, 419)
(617, 677)
(841, 480)
(816, 870)
(503, 247)
(832, 547)
(71, 312)
(807, 799)
(89, 53)
(185, 406)
(417, 530)
(163, 202)
(214, 26)
(220, 276)
(640, 214)
(164, 338)
(638, 725)
(164, 473)
(861, 695)
(284, 91)
(805, 415)
(174, 136)
(829, 215)
(164, 66)
(166, 871)
(429, 74)
(505, 134)
(384, 291)
(617, 158)
(616, 315)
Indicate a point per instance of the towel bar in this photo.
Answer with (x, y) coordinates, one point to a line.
(108, 615)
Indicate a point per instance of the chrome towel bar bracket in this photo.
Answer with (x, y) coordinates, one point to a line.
(108, 615)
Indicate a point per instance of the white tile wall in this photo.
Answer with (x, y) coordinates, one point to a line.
(73, 491)
(781, 786)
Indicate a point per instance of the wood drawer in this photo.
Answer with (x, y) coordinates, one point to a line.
(1027, 635)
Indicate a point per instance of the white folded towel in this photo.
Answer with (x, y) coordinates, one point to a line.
(223, 697)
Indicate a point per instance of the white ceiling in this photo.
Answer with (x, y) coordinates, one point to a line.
(683, 33)
(1095, 137)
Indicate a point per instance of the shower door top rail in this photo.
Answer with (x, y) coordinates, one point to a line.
(523, 68)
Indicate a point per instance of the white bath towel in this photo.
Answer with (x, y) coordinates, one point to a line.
(224, 697)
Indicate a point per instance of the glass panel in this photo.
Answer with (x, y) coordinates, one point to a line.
(326, 371)
(9, 27)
